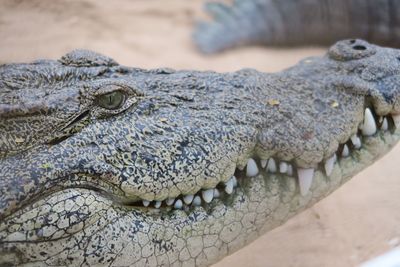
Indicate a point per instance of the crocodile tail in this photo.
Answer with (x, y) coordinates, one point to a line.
(242, 23)
(297, 22)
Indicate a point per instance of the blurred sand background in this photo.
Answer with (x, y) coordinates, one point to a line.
(356, 223)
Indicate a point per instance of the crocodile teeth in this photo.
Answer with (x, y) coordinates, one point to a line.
(178, 204)
(305, 180)
(264, 163)
(356, 141)
(385, 125)
(283, 167)
(188, 199)
(234, 181)
(290, 170)
(216, 193)
(271, 167)
(208, 195)
(396, 120)
(157, 204)
(368, 127)
(346, 151)
(196, 201)
(306, 176)
(170, 201)
(229, 186)
(251, 169)
(329, 164)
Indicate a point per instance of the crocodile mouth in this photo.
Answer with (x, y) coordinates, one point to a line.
(375, 135)
(372, 129)
(276, 189)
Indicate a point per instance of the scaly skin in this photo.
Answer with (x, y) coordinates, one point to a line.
(298, 22)
(77, 161)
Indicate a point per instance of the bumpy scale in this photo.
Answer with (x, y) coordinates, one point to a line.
(102, 164)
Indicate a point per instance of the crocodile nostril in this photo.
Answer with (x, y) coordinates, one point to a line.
(351, 50)
(359, 47)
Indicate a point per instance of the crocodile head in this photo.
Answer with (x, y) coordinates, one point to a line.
(181, 168)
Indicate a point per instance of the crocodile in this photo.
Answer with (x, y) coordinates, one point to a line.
(297, 22)
(107, 165)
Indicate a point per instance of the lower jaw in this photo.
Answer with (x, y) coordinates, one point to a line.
(269, 200)
(258, 204)
(263, 202)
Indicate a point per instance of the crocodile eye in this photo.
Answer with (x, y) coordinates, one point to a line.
(113, 100)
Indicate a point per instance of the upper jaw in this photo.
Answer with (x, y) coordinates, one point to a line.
(370, 127)
(358, 148)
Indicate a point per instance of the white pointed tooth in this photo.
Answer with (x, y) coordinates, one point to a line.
(234, 181)
(271, 167)
(178, 204)
(157, 204)
(188, 199)
(196, 201)
(216, 193)
(346, 151)
(369, 125)
(305, 180)
(283, 167)
(329, 164)
(385, 125)
(396, 120)
(170, 201)
(290, 170)
(229, 186)
(146, 203)
(208, 195)
(356, 141)
(264, 163)
(251, 169)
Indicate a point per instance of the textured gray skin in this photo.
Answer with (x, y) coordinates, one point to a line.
(69, 195)
(298, 22)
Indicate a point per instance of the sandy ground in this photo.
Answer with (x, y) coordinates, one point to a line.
(357, 222)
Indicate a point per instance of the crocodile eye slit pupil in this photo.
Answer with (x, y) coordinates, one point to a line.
(113, 100)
